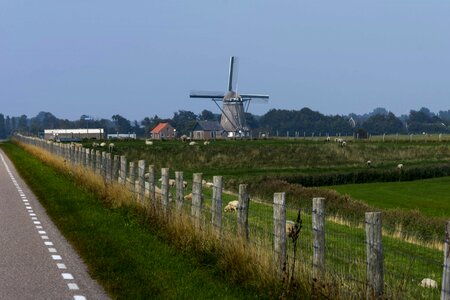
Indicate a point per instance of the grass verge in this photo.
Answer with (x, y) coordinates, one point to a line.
(125, 249)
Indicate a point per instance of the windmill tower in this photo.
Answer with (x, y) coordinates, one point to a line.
(233, 110)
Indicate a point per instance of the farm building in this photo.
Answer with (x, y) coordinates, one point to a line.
(163, 131)
(206, 130)
(73, 134)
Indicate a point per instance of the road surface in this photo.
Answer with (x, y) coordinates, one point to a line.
(36, 262)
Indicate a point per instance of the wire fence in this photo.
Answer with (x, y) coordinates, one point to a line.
(360, 259)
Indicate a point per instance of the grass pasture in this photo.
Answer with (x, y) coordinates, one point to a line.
(429, 196)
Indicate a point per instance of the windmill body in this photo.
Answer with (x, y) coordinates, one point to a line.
(234, 105)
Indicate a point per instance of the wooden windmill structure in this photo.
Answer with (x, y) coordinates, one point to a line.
(233, 110)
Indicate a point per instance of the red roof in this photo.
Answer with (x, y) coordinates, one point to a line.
(159, 127)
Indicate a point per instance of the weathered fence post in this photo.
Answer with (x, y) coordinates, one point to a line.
(445, 292)
(151, 184)
(92, 156)
(197, 197)
(132, 177)
(104, 165)
(165, 189)
(123, 170)
(98, 162)
(179, 195)
(83, 156)
(108, 167)
(88, 158)
(374, 253)
(244, 201)
(216, 217)
(141, 178)
(318, 226)
(279, 230)
(115, 168)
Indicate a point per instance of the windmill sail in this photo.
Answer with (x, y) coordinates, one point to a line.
(233, 113)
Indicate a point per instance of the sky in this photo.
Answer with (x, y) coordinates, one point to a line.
(142, 58)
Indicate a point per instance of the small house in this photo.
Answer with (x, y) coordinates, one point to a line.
(207, 130)
(163, 131)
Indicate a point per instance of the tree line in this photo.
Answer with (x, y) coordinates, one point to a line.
(279, 122)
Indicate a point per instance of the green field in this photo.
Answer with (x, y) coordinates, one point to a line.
(429, 196)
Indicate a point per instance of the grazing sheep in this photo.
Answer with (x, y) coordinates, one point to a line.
(192, 143)
(172, 182)
(102, 144)
(400, 166)
(343, 144)
(209, 184)
(148, 142)
(206, 143)
(290, 228)
(328, 139)
(185, 184)
(203, 182)
(183, 138)
(429, 283)
(94, 145)
(147, 175)
(369, 163)
(111, 147)
(188, 197)
(232, 206)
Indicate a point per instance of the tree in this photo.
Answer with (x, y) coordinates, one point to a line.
(122, 125)
(379, 124)
(184, 121)
(207, 115)
(2, 127)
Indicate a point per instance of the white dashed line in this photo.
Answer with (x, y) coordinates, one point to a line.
(67, 276)
(42, 233)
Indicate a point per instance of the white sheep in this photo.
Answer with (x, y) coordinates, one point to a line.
(232, 206)
(206, 143)
(429, 283)
(185, 184)
(148, 142)
(209, 184)
(103, 144)
(192, 143)
(343, 144)
(328, 139)
(400, 166)
(94, 145)
(188, 197)
(111, 147)
(369, 163)
(172, 182)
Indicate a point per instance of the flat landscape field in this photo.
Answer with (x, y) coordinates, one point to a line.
(429, 196)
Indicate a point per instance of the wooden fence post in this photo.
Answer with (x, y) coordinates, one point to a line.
(92, 155)
(132, 177)
(151, 184)
(88, 158)
(279, 230)
(445, 292)
(197, 197)
(123, 170)
(180, 190)
(141, 178)
(98, 161)
(108, 167)
(216, 217)
(165, 189)
(374, 248)
(83, 156)
(318, 226)
(115, 168)
(104, 165)
(244, 201)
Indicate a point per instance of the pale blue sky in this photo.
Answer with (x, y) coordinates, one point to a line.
(140, 58)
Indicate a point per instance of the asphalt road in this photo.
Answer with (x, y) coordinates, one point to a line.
(36, 262)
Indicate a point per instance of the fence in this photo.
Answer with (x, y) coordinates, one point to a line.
(361, 261)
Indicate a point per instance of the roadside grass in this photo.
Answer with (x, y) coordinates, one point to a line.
(127, 256)
(429, 196)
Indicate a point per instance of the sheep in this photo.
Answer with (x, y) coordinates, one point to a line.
(369, 163)
(94, 145)
(192, 143)
(290, 228)
(209, 184)
(328, 139)
(183, 138)
(188, 197)
(206, 143)
(343, 144)
(232, 206)
(172, 182)
(111, 147)
(400, 166)
(429, 283)
(103, 144)
(148, 142)
(185, 184)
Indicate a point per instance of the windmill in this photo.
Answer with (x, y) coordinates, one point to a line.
(233, 111)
